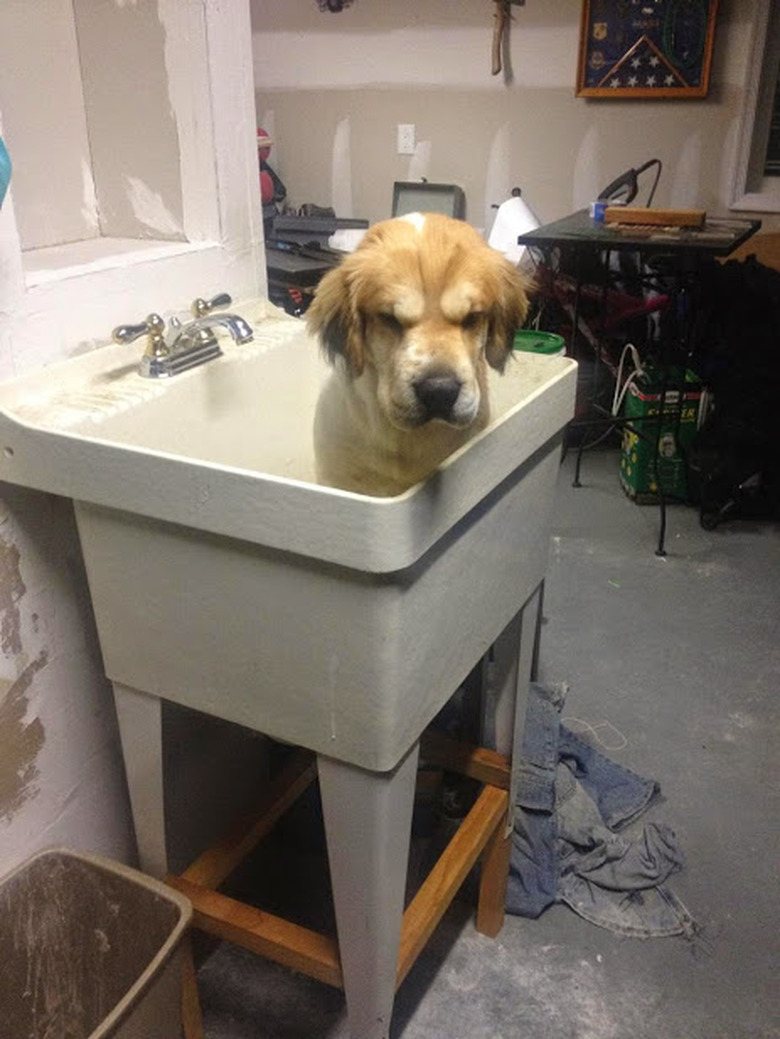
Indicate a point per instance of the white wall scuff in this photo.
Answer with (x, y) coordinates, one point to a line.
(150, 209)
(341, 170)
(61, 778)
(688, 173)
(420, 162)
(498, 175)
(587, 177)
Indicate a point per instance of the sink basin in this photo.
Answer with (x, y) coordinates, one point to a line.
(224, 578)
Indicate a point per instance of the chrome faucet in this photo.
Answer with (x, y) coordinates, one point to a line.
(205, 320)
(184, 346)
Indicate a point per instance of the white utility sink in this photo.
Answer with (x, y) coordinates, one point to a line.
(224, 578)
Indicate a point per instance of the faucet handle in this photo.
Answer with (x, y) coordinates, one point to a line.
(202, 307)
(153, 327)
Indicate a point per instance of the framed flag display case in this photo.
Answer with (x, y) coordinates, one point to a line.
(646, 48)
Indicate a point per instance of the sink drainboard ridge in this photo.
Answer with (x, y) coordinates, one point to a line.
(108, 394)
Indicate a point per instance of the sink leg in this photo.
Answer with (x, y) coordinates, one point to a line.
(140, 728)
(514, 667)
(368, 821)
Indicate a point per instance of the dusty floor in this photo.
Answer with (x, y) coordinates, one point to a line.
(675, 663)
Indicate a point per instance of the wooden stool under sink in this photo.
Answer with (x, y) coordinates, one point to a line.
(368, 821)
(368, 818)
(481, 834)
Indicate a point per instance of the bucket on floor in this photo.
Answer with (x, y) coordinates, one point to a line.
(547, 343)
(89, 949)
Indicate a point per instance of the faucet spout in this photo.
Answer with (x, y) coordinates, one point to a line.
(239, 329)
(184, 346)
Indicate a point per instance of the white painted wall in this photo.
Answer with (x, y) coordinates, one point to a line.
(55, 190)
(133, 139)
(61, 775)
(425, 62)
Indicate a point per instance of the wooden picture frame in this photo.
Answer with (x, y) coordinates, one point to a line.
(646, 48)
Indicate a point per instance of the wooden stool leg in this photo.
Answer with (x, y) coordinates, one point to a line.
(493, 882)
(368, 822)
(192, 1019)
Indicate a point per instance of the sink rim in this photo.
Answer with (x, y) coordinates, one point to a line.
(375, 534)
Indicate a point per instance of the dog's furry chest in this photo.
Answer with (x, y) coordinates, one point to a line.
(357, 449)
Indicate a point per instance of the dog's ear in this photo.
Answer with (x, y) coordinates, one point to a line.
(336, 321)
(510, 306)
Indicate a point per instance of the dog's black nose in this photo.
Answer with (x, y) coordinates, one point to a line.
(437, 394)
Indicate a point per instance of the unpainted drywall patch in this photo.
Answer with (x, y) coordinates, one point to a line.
(11, 590)
(149, 208)
(20, 741)
(89, 205)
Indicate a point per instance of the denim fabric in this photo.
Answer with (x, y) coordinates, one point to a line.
(536, 789)
(571, 801)
(533, 881)
(620, 794)
(533, 875)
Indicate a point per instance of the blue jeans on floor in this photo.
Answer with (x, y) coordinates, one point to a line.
(572, 802)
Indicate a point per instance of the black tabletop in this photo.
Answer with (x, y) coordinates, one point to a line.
(719, 236)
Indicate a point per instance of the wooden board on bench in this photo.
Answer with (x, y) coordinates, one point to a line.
(654, 217)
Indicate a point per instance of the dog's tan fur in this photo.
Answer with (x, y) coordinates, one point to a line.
(422, 301)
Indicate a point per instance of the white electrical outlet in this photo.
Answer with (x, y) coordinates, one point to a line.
(405, 138)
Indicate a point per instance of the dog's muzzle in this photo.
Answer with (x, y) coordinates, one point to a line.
(437, 395)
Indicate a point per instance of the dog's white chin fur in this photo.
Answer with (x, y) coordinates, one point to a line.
(358, 448)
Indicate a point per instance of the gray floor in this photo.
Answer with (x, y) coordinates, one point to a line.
(674, 662)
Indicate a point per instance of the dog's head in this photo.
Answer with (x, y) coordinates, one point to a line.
(424, 304)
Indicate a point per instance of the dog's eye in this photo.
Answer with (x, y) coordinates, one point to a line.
(390, 321)
(471, 320)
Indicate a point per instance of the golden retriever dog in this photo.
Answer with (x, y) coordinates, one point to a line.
(410, 320)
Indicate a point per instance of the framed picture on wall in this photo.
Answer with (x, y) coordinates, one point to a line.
(646, 48)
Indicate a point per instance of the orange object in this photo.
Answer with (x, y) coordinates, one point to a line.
(655, 217)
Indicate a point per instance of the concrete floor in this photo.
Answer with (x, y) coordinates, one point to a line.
(675, 663)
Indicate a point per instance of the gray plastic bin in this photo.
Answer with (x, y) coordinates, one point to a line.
(89, 949)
